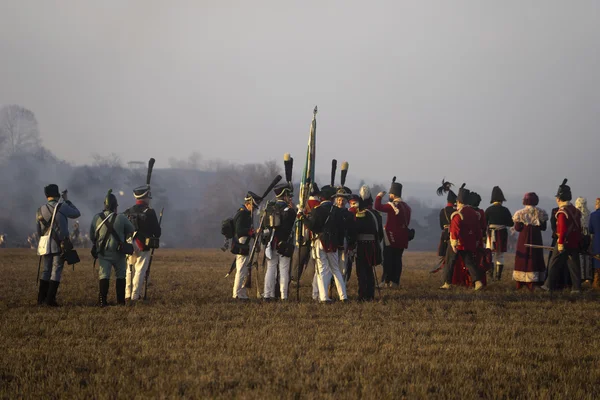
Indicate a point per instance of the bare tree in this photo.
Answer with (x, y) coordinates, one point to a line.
(194, 161)
(19, 131)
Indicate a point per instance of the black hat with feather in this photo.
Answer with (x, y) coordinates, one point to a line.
(564, 192)
(463, 194)
(396, 188)
(446, 188)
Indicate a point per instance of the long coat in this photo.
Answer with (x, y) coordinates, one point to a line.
(529, 263)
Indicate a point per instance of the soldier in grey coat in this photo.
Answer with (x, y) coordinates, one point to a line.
(53, 262)
(108, 231)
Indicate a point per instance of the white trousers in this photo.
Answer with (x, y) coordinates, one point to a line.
(498, 258)
(241, 272)
(137, 264)
(271, 276)
(327, 266)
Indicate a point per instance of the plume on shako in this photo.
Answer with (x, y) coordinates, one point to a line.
(564, 191)
(447, 188)
(343, 190)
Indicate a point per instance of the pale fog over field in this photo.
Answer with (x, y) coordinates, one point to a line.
(483, 92)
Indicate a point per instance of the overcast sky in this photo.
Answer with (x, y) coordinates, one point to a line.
(486, 92)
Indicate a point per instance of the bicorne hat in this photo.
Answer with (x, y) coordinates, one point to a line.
(497, 195)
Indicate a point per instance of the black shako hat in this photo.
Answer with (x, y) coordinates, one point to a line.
(497, 195)
(110, 201)
(282, 190)
(474, 199)
(52, 190)
(142, 192)
(396, 188)
(253, 197)
(463, 194)
(327, 192)
(446, 188)
(564, 192)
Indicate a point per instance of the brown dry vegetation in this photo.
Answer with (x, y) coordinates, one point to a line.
(190, 340)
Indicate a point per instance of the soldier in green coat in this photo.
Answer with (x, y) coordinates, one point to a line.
(108, 232)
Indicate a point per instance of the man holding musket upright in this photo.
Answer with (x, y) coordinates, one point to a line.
(568, 232)
(145, 238)
(52, 218)
(396, 232)
(465, 236)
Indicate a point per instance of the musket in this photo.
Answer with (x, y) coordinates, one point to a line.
(538, 246)
(151, 257)
(438, 266)
(249, 261)
(265, 194)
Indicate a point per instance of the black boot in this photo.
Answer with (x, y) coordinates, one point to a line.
(499, 269)
(121, 292)
(43, 292)
(51, 296)
(103, 285)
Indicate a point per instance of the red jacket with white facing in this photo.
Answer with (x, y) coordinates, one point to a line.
(396, 225)
(565, 217)
(465, 229)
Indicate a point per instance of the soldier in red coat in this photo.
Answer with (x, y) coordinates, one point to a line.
(465, 237)
(396, 233)
(568, 232)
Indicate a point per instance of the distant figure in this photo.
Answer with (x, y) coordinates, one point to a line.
(33, 240)
(530, 221)
(109, 231)
(499, 219)
(396, 232)
(594, 227)
(465, 234)
(146, 237)
(585, 261)
(3, 240)
(59, 231)
(568, 232)
(75, 235)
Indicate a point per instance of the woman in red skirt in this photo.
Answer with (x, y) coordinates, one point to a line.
(530, 221)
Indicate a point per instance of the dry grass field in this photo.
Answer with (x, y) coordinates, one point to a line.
(190, 340)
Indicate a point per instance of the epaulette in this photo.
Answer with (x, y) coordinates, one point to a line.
(361, 214)
(561, 211)
(457, 213)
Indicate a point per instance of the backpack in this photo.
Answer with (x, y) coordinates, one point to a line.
(228, 228)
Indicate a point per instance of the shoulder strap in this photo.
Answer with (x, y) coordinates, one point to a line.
(111, 228)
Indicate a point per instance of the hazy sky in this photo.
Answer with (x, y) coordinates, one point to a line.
(487, 92)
